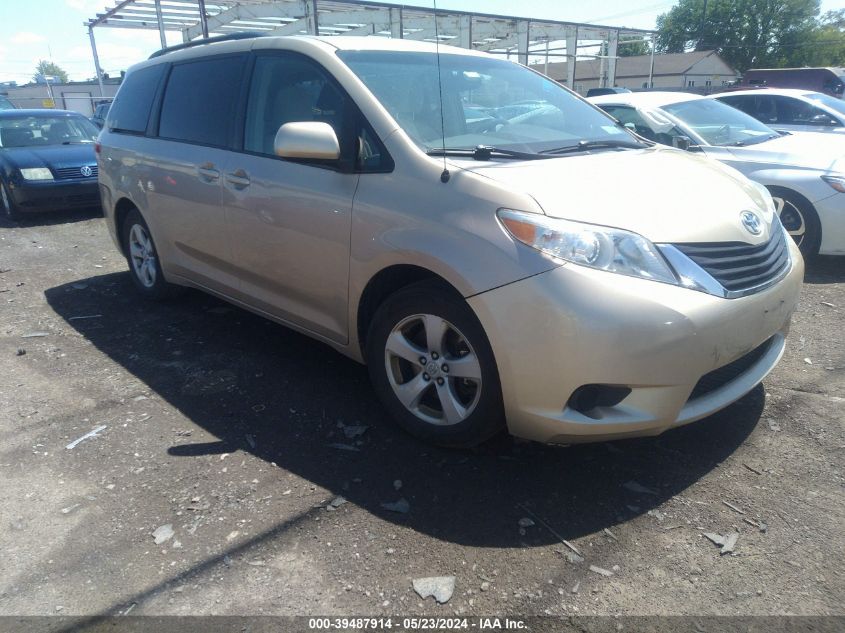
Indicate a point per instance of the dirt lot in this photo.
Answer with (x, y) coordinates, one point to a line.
(240, 434)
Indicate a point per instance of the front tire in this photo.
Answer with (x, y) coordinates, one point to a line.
(433, 368)
(10, 209)
(800, 220)
(142, 256)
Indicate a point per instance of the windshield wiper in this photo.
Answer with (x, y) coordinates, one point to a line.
(486, 152)
(582, 146)
(754, 141)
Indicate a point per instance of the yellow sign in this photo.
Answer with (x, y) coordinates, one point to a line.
(48, 103)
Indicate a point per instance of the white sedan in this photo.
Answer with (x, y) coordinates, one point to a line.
(805, 172)
(788, 109)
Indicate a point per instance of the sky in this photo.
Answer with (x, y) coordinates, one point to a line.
(53, 29)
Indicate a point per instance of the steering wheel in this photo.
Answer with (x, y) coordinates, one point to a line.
(493, 125)
(724, 132)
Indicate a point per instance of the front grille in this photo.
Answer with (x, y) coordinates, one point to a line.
(66, 173)
(709, 382)
(739, 266)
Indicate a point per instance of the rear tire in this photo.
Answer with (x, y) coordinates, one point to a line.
(433, 368)
(142, 256)
(800, 220)
(10, 209)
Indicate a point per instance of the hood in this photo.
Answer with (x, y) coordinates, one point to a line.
(810, 150)
(55, 156)
(665, 195)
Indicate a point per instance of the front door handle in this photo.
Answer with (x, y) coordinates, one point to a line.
(238, 179)
(207, 172)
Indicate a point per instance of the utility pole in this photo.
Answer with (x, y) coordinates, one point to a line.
(700, 46)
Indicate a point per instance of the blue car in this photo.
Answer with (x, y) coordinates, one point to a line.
(47, 161)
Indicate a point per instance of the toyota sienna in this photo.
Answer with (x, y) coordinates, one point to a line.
(498, 251)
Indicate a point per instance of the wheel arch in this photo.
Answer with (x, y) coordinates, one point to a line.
(121, 209)
(798, 197)
(385, 283)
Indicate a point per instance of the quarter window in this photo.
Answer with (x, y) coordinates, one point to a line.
(201, 99)
(130, 111)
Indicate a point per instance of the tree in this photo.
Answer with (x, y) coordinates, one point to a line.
(628, 47)
(49, 69)
(746, 33)
(826, 44)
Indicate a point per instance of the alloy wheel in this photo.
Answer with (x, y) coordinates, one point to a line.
(791, 218)
(433, 369)
(143, 256)
(7, 205)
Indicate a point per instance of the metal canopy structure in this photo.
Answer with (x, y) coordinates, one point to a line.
(498, 34)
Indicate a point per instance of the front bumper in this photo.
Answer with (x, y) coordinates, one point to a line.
(573, 326)
(56, 195)
(831, 212)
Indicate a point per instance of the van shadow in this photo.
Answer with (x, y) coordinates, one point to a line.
(263, 389)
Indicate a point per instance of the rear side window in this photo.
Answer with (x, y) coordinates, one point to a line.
(200, 100)
(131, 108)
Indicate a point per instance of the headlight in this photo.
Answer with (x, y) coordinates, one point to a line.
(603, 248)
(836, 181)
(36, 173)
(767, 197)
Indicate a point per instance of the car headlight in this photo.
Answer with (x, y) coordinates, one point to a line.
(837, 181)
(600, 247)
(37, 173)
(767, 197)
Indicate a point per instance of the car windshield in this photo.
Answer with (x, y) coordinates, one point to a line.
(486, 102)
(38, 131)
(720, 124)
(831, 102)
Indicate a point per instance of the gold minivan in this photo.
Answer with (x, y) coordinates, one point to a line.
(498, 251)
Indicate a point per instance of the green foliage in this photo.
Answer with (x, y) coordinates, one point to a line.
(49, 69)
(755, 33)
(635, 47)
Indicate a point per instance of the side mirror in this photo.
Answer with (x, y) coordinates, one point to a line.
(822, 119)
(307, 139)
(682, 142)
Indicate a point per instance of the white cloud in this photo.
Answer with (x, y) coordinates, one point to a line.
(27, 37)
(88, 6)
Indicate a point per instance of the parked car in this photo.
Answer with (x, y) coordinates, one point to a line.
(804, 172)
(786, 109)
(552, 277)
(830, 81)
(47, 161)
(5, 104)
(99, 116)
(598, 92)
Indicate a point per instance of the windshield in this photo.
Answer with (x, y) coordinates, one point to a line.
(831, 102)
(38, 131)
(486, 101)
(720, 124)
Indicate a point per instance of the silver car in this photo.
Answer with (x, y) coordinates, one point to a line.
(805, 172)
(544, 273)
(790, 109)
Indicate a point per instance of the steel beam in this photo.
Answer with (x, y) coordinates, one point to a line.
(97, 68)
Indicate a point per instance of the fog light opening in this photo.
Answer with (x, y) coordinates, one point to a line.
(587, 399)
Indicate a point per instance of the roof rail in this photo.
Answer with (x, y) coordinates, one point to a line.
(241, 35)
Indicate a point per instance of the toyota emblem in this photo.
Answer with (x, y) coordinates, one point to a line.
(86, 171)
(751, 222)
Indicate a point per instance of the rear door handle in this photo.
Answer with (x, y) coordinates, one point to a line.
(238, 179)
(207, 172)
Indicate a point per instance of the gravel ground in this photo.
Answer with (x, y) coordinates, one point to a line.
(263, 463)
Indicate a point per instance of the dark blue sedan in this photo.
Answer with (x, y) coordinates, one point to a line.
(47, 161)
